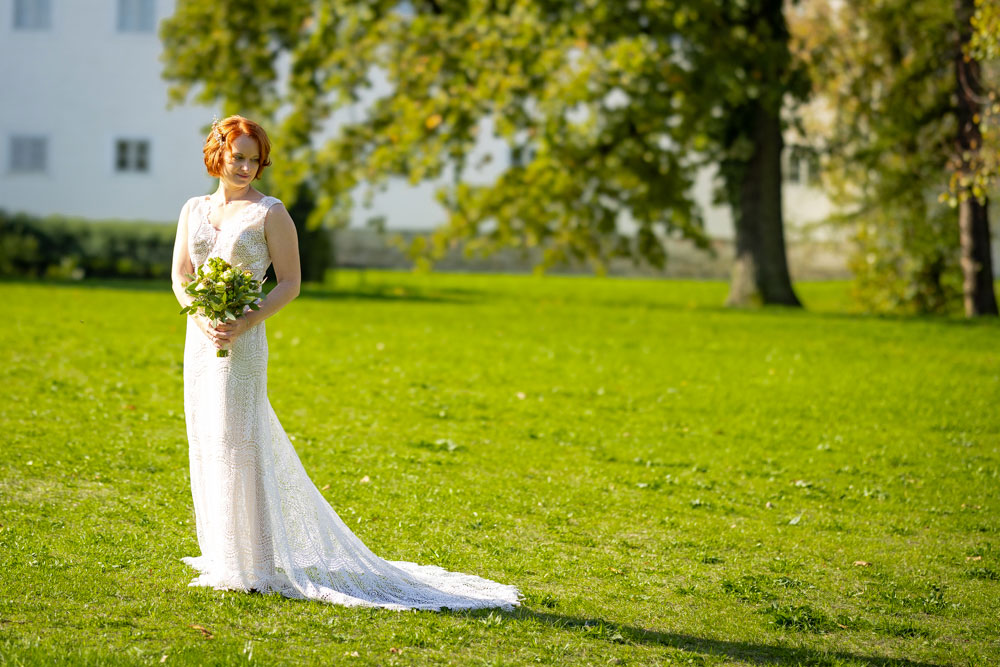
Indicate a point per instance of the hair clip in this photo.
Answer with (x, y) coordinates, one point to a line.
(216, 131)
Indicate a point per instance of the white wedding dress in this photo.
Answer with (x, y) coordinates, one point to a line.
(262, 524)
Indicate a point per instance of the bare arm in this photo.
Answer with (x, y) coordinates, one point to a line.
(283, 244)
(181, 265)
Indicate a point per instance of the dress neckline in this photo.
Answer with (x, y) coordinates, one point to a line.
(209, 199)
(232, 220)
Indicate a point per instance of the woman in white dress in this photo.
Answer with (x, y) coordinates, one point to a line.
(262, 524)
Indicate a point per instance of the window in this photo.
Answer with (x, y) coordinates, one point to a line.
(793, 170)
(28, 154)
(801, 165)
(32, 14)
(136, 15)
(132, 155)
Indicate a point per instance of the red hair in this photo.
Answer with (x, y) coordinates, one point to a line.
(230, 128)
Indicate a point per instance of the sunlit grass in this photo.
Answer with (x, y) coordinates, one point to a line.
(666, 480)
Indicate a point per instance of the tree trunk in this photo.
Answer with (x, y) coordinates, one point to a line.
(760, 268)
(973, 216)
(977, 265)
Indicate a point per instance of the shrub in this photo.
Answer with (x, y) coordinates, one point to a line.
(58, 247)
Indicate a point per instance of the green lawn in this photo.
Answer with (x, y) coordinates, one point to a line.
(667, 481)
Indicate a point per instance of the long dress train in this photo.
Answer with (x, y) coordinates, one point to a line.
(261, 522)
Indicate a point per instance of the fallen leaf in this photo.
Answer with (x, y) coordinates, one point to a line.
(973, 558)
(768, 504)
(616, 570)
(394, 650)
(861, 563)
(205, 631)
(163, 658)
(365, 480)
(325, 487)
(839, 625)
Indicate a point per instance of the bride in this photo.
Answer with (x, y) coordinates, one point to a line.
(262, 524)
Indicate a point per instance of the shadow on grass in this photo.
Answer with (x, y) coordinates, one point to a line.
(954, 319)
(390, 293)
(756, 654)
(126, 284)
(375, 292)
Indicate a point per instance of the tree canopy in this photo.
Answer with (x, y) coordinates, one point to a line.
(608, 110)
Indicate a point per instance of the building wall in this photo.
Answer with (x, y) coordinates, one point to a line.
(83, 85)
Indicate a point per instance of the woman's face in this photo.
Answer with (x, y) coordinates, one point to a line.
(242, 162)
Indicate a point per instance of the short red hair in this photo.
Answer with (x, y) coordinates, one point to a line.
(230, 128)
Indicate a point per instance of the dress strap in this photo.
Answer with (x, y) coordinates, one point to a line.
(265, 203)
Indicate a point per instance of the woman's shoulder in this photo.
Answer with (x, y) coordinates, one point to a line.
(273, 207)
(267, 201)
(195, 201)
(275, 212)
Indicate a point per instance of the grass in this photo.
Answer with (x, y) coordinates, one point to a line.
(667, 481)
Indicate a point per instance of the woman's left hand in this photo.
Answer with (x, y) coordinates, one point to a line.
(228, 332)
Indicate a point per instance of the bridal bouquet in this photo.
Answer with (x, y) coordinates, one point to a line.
(221, 292)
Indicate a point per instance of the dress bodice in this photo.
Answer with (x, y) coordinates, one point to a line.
(241, 241)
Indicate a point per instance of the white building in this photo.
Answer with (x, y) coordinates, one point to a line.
(84, 128)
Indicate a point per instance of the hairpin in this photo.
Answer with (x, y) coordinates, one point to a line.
(215, 129)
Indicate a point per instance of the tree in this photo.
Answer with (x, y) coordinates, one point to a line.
(973, 206)
(749, 138)
(890, 73)
(608, 110)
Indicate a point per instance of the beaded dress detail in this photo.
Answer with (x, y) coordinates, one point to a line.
(261, 522)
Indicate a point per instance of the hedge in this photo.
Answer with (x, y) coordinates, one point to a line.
(75, 248)
(61, 247)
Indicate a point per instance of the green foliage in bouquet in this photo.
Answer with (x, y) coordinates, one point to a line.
(221, 292)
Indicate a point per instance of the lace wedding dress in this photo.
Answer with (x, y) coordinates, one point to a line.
(261, 522)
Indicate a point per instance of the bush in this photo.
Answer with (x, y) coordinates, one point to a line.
(906, 260)
(74, 248)
(58, 247)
